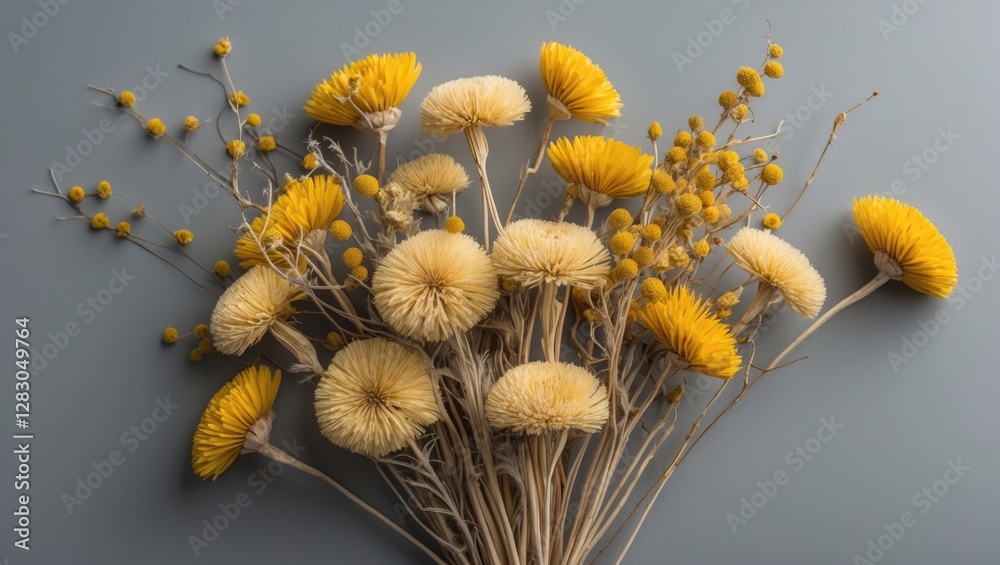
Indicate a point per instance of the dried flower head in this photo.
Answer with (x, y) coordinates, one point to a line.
(906, 244)
(375, 397)
(467, 102)
(431, 179)
(773, 261)
(365, 94)
(249, 307)
(605, 166)
(533, 251)
(580, 87)
(229, 417)
(540, 397)
(434, 285)
(686, 325)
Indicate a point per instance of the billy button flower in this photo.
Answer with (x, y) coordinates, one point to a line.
(76, 194)
(123, 229)
(104, 190)
(99, 221)
(238, 99)
(749, 79)
(620, 218)
(170, 335)
(183, 237)
(728, 99)
(155, 127)
(126, 99)
(366, 185)
(223, 47)
(253, 120)
(266, 144)
(191, 123)
(772, 221)
(454, 224)
(771, 174)
(236, 148)
(774, 69)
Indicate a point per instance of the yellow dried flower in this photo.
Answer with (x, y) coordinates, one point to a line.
(655, 131)
(123, 229)
(541, 397)
(705, 140)
(771, 174)
(340, 230)
(652, 232)
(205, 345)
(472, 102)
(662, 182)
(678, 256)
(365, 185)
(775, 51)
(749, 79)
(705, 179)
(533, 252)
(196, 355)
(899, 233)
(733, 172)
(578, 84)
(620, 218)
(739, 113)
(621, 243)
(76, 194)
(772, 221)
(727, 159)
(191, 123)
(170, 335)
(222, 268)
(653, 290)
(774, 69)
(605, 166)
(774, 262)
(267, 143)
(201, 331)
(183, 237)
(701, 249)
(676, 154)
(707, 197)
(155, 127)
(259, 299)
(724, 211)
(760, 155)
(432, 179)
(376, 86)
(334, 340)
(352, 257)
(710, 214)
(740, 184)
(625, 269)
(360, 272)
(727, 300)
(126, 99)
(99, 221)
(223, 47)
(688, 204)
(728, 99)
(230, 416)
(454, 224)
(253, 120)
(239, 99)
(236, 148)
(682, 139)
(696, 122)
(643, 257)
(375, 397)
(309, 162)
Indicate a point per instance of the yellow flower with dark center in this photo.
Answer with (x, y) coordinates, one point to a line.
(540, 397)
(898, 233)
(605, 166)
(579, 85)
(229, 417)
(686, 325)
(380, 82)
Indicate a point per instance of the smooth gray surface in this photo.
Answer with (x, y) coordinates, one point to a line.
(900, 429)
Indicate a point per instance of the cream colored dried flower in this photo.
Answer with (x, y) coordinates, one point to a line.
(776, 263)
(547, 396)
(249, 308)
(375, 397)
(533, 252)
(477, 101)
(431, 179)
(434, 285)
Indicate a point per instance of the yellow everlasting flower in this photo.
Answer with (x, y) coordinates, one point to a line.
(253, 120)
(380, 83)
(229, 417)
(608, 167)
(76, 194)
(540, 397)
(126, 99)
(686, 325)
(907, 245)
(579, 86)
(155, 127)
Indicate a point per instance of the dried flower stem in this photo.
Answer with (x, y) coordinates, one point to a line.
(532, 169)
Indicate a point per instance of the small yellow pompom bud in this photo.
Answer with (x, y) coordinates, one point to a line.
(359, 272)
(727, 159)
(201, 331)
(682, 139)
(170, 335)
(759, 155)
(236, 148)
(454, 224)
(191, 123)
(196, 355)
(678, 256)
(620, 218)
(205, 345)
(749, 79)
(696, 122)
(340, 230)
(223, 47)
(643, 257)
(774, 69)
(334, 340)
(705, 179)
(625, 269)
(366, 185)
(707, 197)
(183, 237)
(706, 140)
(266, 144)
(352, 257)
(662, 182)
(309, 162)
(717, 240)
(727, 300)
(155, 127)
(724, 313)
(733, 172)
(652, 232)
(688, 205)
(724, 211)
(622, 243)
(139, 211)
(739, 113)
(701, 249)
(772, 221)
(655, 131)
(271, 238)
(239, 98)
(76, 194)
(99, 221)
(728, 99)
(771, 174)
(104, 190)
(123, 229)
(633, 313)
(653, 290)
(775, 51)
(710, 214)
(126, 99)
(676, 394)
(253, 120)
(676, 154)
(222, 269)
(741, 184)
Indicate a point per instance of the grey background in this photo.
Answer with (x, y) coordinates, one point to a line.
(937, 69)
